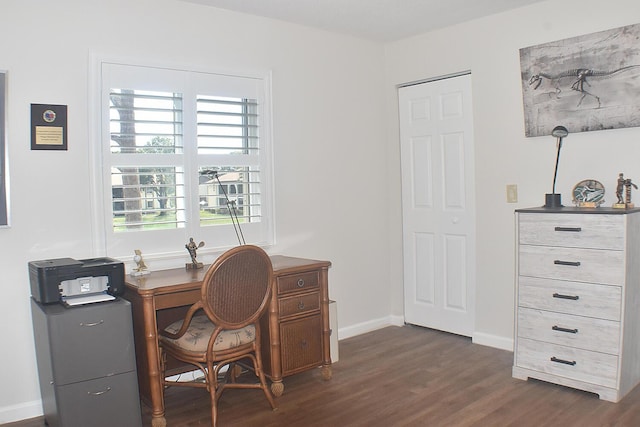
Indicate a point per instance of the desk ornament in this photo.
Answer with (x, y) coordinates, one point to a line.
(141, 267)
(192, 248)
(588, 193)
(625, 184)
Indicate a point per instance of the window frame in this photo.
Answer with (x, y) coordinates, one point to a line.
(217, 238)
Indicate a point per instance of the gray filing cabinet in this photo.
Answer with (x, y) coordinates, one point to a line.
(86, 364)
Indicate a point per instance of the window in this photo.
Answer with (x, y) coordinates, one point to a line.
(183, 154)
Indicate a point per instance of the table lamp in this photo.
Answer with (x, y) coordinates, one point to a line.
(553, 199)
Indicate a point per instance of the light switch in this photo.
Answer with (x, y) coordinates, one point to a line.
(512, 193)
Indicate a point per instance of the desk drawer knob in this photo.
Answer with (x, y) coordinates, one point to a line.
(300, 283)
(301, 305)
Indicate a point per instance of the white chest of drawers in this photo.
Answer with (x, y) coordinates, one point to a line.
(578, 298)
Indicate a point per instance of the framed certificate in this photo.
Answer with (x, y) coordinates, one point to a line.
(48, 127)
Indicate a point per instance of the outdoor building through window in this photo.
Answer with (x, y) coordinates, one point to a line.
(183, 154)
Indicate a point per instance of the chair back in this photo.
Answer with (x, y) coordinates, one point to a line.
(237, 287)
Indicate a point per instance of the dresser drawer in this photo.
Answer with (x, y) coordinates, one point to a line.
(573, 331)
(299, 304)
(582, 365)
(298, 282)
(582, 299)
(578, 231)
(579, 265)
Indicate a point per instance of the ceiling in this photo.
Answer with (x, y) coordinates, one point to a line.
(376, 20)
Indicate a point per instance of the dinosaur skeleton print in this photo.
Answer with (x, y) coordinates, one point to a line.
(587, 83)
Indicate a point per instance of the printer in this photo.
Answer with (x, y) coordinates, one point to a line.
(75, 282)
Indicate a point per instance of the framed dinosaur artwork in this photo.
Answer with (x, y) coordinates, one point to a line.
(585, 83)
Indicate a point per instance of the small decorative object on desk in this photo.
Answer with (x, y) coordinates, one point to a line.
(625, 184)
(588, 193)
(192, 248)
(141, 267)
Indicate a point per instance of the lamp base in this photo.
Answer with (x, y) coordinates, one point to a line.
(552, 200)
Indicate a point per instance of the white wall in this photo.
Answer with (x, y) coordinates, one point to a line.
(490, 49)
(328, 109)
(336, 158)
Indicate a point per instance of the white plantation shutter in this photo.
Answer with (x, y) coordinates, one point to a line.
(164, 132)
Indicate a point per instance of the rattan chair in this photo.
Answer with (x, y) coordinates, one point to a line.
(224, 326)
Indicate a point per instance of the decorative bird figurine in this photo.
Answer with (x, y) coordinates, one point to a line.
(141, 267)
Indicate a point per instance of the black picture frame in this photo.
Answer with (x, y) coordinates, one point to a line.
(48, 127)
(4, 174)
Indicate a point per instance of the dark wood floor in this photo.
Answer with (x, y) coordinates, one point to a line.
(405, 376)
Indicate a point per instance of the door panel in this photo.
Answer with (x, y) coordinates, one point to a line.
(436, 136)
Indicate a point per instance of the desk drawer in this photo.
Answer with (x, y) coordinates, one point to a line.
(579, 265)
(582, 299)
(299, 304)
(177, 299)
(298, 282)
(576, 231)
(301, 342)
(568, 362)
(574, 331)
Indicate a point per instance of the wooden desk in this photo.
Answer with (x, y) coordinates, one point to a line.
(295, 332)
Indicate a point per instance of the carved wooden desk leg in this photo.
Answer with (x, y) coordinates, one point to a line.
(326, 372)
(153, 361)
(326, 327)
(277, 388)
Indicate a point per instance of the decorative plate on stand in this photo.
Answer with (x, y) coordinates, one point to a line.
(588, 193)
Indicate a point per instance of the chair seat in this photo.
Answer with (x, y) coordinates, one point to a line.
(197, 336)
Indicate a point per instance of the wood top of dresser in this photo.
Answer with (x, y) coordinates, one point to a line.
(577, 210)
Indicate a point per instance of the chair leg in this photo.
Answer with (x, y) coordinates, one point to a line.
(233, 372)
(212, 374)
(163, 366)
(257, 363)
(214, 414)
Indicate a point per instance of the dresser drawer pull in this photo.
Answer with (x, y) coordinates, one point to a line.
(566, 362)
(560, 329)
(301, 305)
(574, 229)
(300, 283)
(573, 297)
(571, 263)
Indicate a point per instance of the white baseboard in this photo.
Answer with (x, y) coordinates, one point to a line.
(495, 341)
(22, 411)
(369, 326)
(372, 325)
